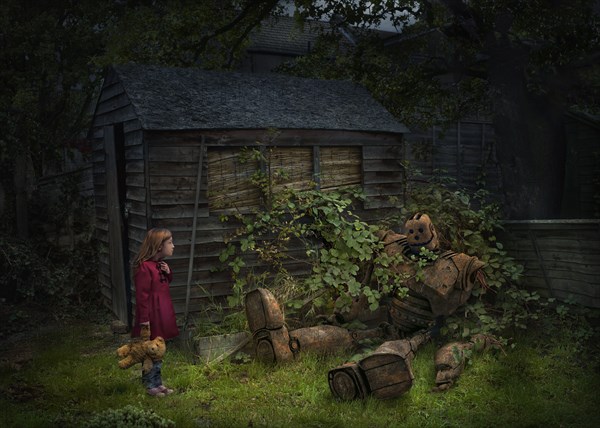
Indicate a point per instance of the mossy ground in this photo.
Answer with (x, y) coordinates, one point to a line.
(62, 375)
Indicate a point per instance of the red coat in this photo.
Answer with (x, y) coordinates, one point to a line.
(153, 301)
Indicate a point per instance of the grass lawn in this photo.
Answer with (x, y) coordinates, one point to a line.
(63, 376)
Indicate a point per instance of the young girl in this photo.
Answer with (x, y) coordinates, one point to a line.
(154, 308)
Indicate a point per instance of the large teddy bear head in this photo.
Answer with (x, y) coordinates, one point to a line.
(142, 351)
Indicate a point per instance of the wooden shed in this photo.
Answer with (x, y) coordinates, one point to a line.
(167, 145)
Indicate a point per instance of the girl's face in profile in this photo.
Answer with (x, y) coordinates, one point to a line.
(166, 249)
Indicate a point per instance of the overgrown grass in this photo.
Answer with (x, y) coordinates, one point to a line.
(72, 374)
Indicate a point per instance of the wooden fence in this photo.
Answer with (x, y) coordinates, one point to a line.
(561, 257)
(50, 184)
(464, 151)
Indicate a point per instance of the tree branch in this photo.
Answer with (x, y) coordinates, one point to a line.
(464, 17)
(250, 6)
(266, 9)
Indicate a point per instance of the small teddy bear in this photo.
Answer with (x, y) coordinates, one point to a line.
(142, 350)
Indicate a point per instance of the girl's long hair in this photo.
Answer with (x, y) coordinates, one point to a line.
(152, 242)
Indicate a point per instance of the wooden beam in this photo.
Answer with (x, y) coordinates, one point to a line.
(194, 224)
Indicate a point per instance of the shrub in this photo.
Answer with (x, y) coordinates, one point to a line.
(38, 272)
(339, 249)
(469, 223)
(57, 267)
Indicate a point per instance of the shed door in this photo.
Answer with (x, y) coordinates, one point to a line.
(117, 223)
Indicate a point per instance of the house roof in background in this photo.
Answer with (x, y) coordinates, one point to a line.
(167, 98)
(283, 35)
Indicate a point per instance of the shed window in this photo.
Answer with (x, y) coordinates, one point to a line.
(230, 172)
(340, 166)
(290, 167)
(229, 181)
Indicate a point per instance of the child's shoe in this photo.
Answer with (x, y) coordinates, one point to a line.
(155, 392)
(166, 390)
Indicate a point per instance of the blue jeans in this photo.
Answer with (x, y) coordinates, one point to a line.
(153, 378)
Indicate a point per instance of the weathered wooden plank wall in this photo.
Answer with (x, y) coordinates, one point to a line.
(113, 108)
(384, 176)
(464, 151)
(172, 167)
(172, 178)
(561, 257)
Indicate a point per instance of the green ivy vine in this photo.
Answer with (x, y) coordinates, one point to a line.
(336, 249)
(341, 257)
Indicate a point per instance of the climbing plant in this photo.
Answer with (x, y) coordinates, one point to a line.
(470, 222)
(317, 230)
(343, 259)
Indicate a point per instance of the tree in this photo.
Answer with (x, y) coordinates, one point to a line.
(54, 54)
(47, 87)
(185, 33)
(527, 61)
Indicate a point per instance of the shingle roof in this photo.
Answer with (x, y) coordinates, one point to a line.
(189, 98)
(282, 35)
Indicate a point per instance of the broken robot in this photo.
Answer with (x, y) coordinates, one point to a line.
(446, 285)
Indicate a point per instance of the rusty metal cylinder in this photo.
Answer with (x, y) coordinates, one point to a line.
(347, 382)
(272, 346)
(411, 313)
(322, 339)
(262, 310)
(386, 373)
